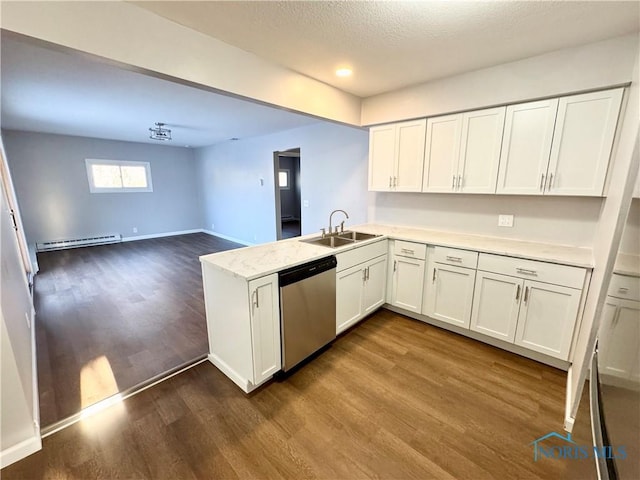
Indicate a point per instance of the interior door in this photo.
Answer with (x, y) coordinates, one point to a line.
(14, 212)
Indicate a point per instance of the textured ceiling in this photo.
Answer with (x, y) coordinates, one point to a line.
(393, 44)
(61, 92)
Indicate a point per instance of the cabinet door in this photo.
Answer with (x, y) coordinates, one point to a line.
(265, 327)
(480, 150)
(496, 303)
(582, 142)
(526, 145)
(547, 318)
(449, 294)
(618, 337)
(408, 278)
(382, 152)
(409, 156)
(375, 285)
(349, 293)
(441, 153)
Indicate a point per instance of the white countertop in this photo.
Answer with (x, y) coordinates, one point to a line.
(259, 260)
(627, 264)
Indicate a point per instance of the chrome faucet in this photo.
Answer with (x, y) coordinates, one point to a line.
(341, 225)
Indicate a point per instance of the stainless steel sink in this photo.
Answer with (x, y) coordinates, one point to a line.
(332, 241)
(341, 239)
(357, 236)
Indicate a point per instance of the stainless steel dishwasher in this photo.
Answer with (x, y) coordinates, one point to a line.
(308, 309)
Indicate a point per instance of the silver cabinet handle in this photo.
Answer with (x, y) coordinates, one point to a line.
(454, 259)
(459, 181)
(368, 272)
(550, 182)
(256, 304)
(542, 182)
(390, 182)
(526, 294)
(525, 271)
(395, 265)
(518, 293)
(395, 181)
(623, 290)
(453, 183)
(434, 276)
(364, 275)
(407, 250)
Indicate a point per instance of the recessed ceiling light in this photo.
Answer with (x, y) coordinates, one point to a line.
(344, 72)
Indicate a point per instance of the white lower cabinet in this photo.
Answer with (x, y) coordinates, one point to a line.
(243, 325)
(496, 303)
(361, 283)
(618, 354)
(449, 293)
(407, 278)
(359, 291)
(547, 318)
(265, 327)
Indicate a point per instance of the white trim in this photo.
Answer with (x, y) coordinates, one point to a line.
(21, 450)
(163, 234)
(90, 162)
(226, 237)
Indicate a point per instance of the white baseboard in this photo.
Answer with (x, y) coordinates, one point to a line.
(21, 450)
(226, 237)
(236, 378)
(159, 235)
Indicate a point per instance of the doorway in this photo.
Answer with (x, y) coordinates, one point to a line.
(286, 166)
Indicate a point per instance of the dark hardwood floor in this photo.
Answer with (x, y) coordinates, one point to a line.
(392, 398)
(291, 229)
(110, 317)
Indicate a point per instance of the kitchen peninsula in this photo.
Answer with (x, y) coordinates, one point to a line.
(524, 297)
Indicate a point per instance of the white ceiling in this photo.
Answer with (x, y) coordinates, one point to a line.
(393, 44)
(55, 91)
(389, 44)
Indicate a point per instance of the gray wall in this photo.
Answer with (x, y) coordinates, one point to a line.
(333, 174)
(53, 191)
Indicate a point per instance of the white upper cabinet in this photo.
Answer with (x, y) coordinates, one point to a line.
(480, 150)
(526, 146)
(382, 151)
(462, 152)
(442, 151)
(396, 157)
(582, 142)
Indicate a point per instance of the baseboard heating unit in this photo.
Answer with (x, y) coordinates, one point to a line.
(78, 242)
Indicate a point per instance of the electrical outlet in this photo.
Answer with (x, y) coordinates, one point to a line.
(135, 229)
(213, 226)
(305, 203)
(505, 220)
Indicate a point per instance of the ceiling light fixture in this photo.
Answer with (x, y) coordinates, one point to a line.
(160, 133)
(344, 72)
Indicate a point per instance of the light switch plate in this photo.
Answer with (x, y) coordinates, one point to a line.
(305, 203)
(505, 220)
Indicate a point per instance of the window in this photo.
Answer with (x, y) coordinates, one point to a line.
(108, 176)
(283, 179)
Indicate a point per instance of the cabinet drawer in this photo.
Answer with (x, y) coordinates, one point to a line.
(410, 249)
(624, 286)
(533, 270)
(453, 256)
(360, 254)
